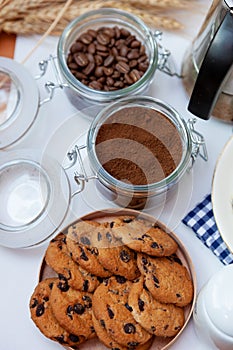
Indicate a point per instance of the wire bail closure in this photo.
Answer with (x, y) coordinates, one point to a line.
(81, 177)
(165, 61)
(49, 85)
(198, 142)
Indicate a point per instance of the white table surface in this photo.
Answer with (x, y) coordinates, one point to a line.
(53, 132)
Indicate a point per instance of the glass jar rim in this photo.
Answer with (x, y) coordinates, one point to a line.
(124, 18)
(146, 102)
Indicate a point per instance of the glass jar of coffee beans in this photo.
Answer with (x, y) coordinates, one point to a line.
(106, 54)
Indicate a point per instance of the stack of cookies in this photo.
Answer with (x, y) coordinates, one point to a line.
(120, 281)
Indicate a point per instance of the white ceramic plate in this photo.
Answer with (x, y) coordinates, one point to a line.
(222, 194)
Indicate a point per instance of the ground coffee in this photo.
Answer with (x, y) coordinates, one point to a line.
(108, 59)
(139, 145)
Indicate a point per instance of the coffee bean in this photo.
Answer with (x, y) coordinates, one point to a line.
(103, 39)
(76, 47)
(98, 60)
(109, 31)
(92, 32)
(90, 57)
(86, 38)
(108, 71)
(135, 43)
(133, 54)
(125, 32)
(122, 58)
(122, 67)
(100, 47)
(110, 81)
(99, 71)
(135, 75)
(108, 59)
(123, 50)
(95, 85)
(81, 59)
(91, 48)
(89, 68)
(73, 65)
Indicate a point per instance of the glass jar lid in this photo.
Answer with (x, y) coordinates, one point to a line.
(19, 101)
(36, 195)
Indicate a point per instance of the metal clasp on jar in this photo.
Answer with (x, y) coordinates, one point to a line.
(165, 61)
(198, 142)
(49, 85)
(81, 177)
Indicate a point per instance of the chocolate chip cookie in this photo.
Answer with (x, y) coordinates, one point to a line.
(167, 279)
(73, 310)
(142, 236)
(111, 254)
(110, 307)
(58, 258)
(112, 344)
(82, 248)
(43, 317)
(160, 319)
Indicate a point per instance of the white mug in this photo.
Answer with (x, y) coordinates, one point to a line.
(213, 312)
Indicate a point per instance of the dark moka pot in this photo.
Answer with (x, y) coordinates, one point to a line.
(208, 65)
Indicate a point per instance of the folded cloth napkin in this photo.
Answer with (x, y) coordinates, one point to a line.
(201, 220)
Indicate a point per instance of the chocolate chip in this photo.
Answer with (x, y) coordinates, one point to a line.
(63, 286)
(83, 256)
(125, 256)
(85, 240)
(127, 220)
(129, 328)
(109, 236)
(156, 281)
(60, 339)
(110, 312)
(132, 343)
(69, 312)
(78, 308)
(154, 245)
(85, 285)
(141, 304)
(88, 301)
(40, 310)
(128, 307)
(102, 323)
(34, 303)
(74, 338)
(120, 279)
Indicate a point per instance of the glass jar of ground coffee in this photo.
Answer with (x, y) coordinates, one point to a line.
(139, 148)
(105, 55)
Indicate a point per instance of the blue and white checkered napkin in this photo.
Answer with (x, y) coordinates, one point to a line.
(201, 220)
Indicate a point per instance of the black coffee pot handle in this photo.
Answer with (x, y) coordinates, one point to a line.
(214, 69)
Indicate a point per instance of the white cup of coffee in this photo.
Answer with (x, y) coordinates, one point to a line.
(213, 313)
